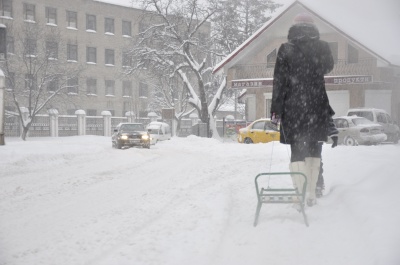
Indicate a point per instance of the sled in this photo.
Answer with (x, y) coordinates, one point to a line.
(284, 196)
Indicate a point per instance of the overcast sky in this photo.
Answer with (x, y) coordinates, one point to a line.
(373, 23)
(129, 2)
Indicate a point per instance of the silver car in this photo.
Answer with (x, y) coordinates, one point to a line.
(355, 130)
(381, 117)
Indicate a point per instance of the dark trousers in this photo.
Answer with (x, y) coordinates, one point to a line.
(301, 150)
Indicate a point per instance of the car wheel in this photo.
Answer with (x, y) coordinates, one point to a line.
(112, 144)
(248, 141)
(118, 145)
(350, 141)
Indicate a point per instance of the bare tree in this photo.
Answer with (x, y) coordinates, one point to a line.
(170, 93)
(185, 39)
(174, 42)
(238, 20)
(37, 74)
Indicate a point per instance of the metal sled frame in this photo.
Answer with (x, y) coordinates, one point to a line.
(268, 195)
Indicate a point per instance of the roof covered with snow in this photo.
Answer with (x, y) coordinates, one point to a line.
(125, 3)
(372, 26)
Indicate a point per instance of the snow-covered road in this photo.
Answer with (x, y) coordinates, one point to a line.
(192, 201)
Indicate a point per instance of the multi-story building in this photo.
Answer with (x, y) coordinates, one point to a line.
(95, 39)
(362, 76)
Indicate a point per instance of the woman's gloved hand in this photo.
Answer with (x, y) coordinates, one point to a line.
(335, 140)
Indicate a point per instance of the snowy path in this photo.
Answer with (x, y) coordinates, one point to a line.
(188, 201)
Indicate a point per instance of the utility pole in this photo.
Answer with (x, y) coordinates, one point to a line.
(3, 56)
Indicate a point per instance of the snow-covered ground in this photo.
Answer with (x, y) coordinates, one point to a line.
(75, 200)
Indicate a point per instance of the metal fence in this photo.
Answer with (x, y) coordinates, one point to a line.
(94, 125)
(40, 126)
(12, 127)
(117, 120)
(67, 125)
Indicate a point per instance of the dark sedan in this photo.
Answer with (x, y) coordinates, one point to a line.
(129, 135)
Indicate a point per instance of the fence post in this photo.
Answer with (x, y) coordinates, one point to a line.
(53, 113)
(81, 116)
(106, 122)
(130, 115)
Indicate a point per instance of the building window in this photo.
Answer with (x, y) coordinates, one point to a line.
(30, 47)
(271, 59)
(110, 88)
(143, 90)
(51, 15)
(352, 54)
(72, 19)
(127, 89)
(126, 28)
(73, 85)
(109, 25)
(91, 86)
(52, 86)
(91, 55)
(10, 44)
(30, 83)
(29, 12)
(126, 59)
(381, 118)
(109, 57)
(72, 52)
(6, 8)
(91, 22)
(91, 112)
(334, 50)
(52, 49)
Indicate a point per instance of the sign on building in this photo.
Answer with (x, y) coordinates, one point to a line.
(168, 114)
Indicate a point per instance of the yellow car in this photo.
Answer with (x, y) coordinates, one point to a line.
(259, 131)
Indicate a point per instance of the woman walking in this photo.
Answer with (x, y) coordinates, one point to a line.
(300, 100)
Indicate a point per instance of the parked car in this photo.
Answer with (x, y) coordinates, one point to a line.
(259, 131)
(381, 117)
(130, 134)
(159, 131)
(354, 130)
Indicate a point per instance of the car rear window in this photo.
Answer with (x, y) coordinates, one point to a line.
(366, 114)
(358, 121)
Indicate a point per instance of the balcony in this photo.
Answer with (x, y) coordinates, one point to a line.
(365, 66)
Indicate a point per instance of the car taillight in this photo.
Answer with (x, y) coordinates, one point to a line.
(365, 130)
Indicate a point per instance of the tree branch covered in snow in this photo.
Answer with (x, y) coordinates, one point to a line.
(48, 74)
(182, 39)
